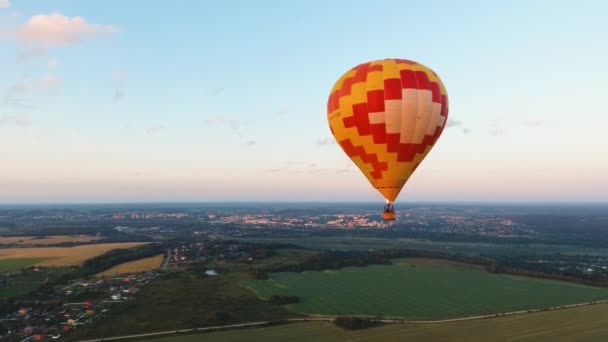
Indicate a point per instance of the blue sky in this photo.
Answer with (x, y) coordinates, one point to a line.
(203, 101)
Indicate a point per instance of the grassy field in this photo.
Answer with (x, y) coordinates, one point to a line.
(141, 265)
(471, 248)
(13, 265)
(47, 240)
(22, 284)
(63, 256)
(585, 324)
(419, 291)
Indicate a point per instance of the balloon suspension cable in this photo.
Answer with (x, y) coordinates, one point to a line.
(388, 208)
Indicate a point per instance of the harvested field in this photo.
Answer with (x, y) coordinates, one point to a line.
(141, 265)
(64, 256)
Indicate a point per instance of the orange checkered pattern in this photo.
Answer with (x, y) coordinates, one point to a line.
(387, 115)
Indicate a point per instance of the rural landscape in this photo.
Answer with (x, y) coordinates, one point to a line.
(176, 171)
(95, 272)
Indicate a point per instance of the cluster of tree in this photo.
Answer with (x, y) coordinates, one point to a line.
(337, 259)
(326, 260)
(554, 266)
(355, 323)
(283, 300)
(118, 256)
(259, 274)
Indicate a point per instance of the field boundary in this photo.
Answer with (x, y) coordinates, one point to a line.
(331, 318)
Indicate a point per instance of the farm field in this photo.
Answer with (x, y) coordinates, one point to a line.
(63, 256)
(13, 265)
(419, 291)
(584, 324)
(470, 248)
(141, 265)
(22, 284)
(47, 240)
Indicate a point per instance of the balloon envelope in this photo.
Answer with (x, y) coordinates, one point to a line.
(387, 115)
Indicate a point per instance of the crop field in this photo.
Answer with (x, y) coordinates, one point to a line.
(46, 240)
(13, 265)
(419, 291)
(587, 324)
(63, 256)
(141, 265)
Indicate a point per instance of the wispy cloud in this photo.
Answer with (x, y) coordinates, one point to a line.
(250, 143)
(326, 142)
(223, 121)
(273, 170)
(5, 3)
(496, 127)
(453, 123)
(216, 91)
(33, 52)
(48, 82)
(466, 131)
(118, 95)
(533, 123)
(154, 129)
(281, 113)
(14, 95)
(497, 131)
(17, 120)
(119, 75)
(51, 63)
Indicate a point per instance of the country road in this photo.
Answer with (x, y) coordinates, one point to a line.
(331, 318)
(167, 259)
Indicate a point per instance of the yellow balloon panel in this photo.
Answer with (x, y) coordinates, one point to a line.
(387, 115)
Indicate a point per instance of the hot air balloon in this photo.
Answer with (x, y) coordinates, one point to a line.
(387, 115)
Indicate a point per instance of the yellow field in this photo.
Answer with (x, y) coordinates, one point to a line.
(49, 240)
(64, 256)
(141, 265)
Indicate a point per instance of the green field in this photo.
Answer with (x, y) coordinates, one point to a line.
(22, 284)
(418, 291)
(14, 265)
(585, 324)
(470, 248)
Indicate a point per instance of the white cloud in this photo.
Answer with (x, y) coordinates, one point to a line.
(17, 120)
(48, 82)
(533, 123)
(282, 112)
(51, 63)
(119, 75)
(45, 83)
(5, 3)
(216, 91)
(326, 141)
(55, 29)
(453, 123)
(222, 120)
(118, 94)
(32, 53)
(250, 143)
(497, 131)
(153, 129)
